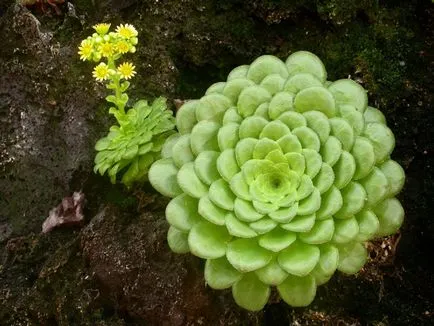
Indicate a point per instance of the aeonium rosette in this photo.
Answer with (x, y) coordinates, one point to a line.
(278, 178)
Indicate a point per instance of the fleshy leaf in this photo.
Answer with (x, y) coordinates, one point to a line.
(166, 151)
(300, 223)
(331, 151)
(251, 127)
(308, 138)
(219, 274)
(263, 147)
(181, 151)
(250, 293)
(290, 144)
(353, 117)
(221, 195)
(352, 257)
(382, 139)
(274, 130)
(250, 98)
(280, 103)
(321, 232)
(299, 259)
(272, 274)
(315, 98)
(305, 188)
(374, 115)
(178, 241)
(264, 225)
(181, 212)
(163, 177)
(204, 137)
(301, 81)
(331, 202)
(189, 182)
(395, 175)
(293, 119)
(211, 212)
(310, 204)
(215, 88)
(227, 164)
(244, 150)
(327, 264)
(273, 83)
(212, 107)
(239, 187)
(205, 166)
(313, 162)
(318, 122)
(284, 215)
(246, 255)
(277, 239)
(245, 211)
(231, 115)
(390, 215)
(186, 117)
(208, 240)
(266, 65)
(344, 169)
(354, 198)
(342, 130)
(298, 291)
(364, 156)
(304, 61)
(262, 111)
(324, 179)
(347, 91)
(368, 225)
(227, 136)
(238, 72)
(376, 186)
(238, 228)
(345, 230)
(234, 87)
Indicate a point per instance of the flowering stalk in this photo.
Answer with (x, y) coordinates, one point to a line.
(106, 48)
(131, 146)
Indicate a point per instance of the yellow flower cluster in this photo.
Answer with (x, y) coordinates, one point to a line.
(110, 45)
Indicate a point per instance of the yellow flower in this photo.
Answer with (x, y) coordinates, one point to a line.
(85, 50)
(107, 49)
(101, 72)
(126, 70)
(101, 29)
(126, 31)
(122, 46)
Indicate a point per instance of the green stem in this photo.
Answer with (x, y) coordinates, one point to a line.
(116, 79)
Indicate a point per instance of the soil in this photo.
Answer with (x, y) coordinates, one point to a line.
(115, 268)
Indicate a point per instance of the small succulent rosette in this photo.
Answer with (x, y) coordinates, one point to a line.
(130, 148)
(278, 178)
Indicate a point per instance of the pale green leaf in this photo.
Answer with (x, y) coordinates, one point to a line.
(250, 293)
(306, 62)
(219, 274)
(246, 255)
(298, 291)
(163, 177)
(181, 212)
(178, 241)
(299, 258)
(208, 241)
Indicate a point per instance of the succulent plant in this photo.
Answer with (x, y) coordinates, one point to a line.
(278, 178)
(135, 144)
